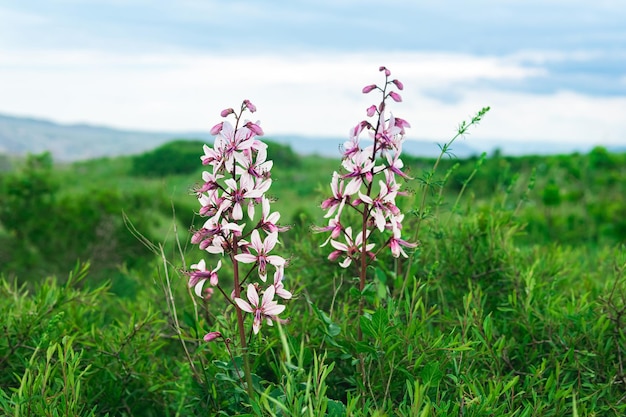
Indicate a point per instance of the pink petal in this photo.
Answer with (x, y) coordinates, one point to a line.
(276, 260)
(339, 246)
(256, 325)
(246, 258)
(283, 293)
(353, 186)
(274, 310)
(270, 241)
(255, 241)
(237, 212)
(268, 296)
(365, 198)
(200, 266)
(243, 305)
(345, 263)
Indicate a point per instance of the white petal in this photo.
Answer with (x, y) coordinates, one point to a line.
(198, 288)
(268, 296)
(276, 260)
(237, 212)
(274, 310)
(243, 305)
(200, 266)
(253, 296)
(339, 245)
(246, 258)
(283, 293)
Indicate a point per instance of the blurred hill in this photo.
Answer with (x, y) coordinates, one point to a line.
(20, 135)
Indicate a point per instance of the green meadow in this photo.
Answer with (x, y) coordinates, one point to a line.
(512, 304)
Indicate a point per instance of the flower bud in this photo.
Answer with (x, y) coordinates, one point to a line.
(249, 106)
(371, 110)
(369, 88)
(395, 96)
(226, 112)
(401, 123)
(209, 337)
(208, 292)
(334, 255)
(217, 128)
(255, 128)
(398, 84)
(387, 72)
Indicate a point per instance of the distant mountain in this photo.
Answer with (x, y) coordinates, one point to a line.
(617, 148)
(21, 135)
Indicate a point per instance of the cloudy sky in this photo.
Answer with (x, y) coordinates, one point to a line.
(551, 70)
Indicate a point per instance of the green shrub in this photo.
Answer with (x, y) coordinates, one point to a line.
(498, 311)
(172, 158)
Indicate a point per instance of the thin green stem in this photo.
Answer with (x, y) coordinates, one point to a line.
(461, 130)
(172, 306)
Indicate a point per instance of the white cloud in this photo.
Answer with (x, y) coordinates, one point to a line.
(307, 94)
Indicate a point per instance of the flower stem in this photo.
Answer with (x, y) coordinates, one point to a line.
(362, 272)
(240, 324)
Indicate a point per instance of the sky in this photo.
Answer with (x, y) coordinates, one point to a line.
(551, 70)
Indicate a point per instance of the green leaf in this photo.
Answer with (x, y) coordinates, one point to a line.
(381, 275)
(335, 408)
(431, 374)
(331, 328)
(367, 327)
(189, 320)
(364, 347)
(380, 322)
(488, 328)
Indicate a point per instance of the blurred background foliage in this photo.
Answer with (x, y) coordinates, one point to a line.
(513, 303)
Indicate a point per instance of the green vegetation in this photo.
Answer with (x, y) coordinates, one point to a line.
(514, 302)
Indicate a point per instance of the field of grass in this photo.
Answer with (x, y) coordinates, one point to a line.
(512, 304)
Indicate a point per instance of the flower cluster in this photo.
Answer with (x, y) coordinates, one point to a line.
(368, 182)
(232, 189)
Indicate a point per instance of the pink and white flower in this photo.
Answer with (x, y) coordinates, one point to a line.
(355, 188)
(358, 168)
(351, 249)
(239, 179)
(338, 200)
(278, 284)
(265, 308)
(201, 275)
(262, 249)
(269, 220)
(396, 243)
